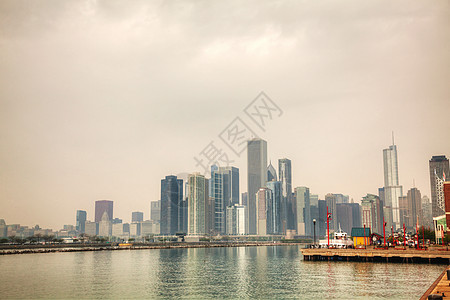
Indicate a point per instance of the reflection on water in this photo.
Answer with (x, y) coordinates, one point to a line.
(244, 272)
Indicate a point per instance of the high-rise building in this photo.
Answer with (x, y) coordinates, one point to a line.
(244, 199)
(171, 205)
(303, 206)
(263, 200)
(372, 213)
(224, 191)
(135, 229)
(405, 217)
(137, 216)
(287, 205)
(331, 203)
(91, 228)
(313, 207)
(81, 220)
(274, 225)
(236, 219)
(271, 173)
(439, 170)
(322, 222)
(356, 214)
(105, 225)
(155, 210)
(117, 230)
(392, 189)
(345, 216)
(447, 203)
(200, 213)
(427, 212)
(257, 176)
(100, 207)
(414, 200)
(340, 198)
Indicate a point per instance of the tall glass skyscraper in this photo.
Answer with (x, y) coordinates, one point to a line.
(439, 166)
(81, 220)
(274, 225)
(171, 205)
(271, 173)
(200, 208)
(224, 191)
(392, 189)
(287, 205)
(303, 210)
(257, 176)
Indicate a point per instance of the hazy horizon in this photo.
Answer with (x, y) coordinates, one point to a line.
(103, 99)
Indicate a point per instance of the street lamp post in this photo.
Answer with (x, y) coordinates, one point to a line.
(314, 226)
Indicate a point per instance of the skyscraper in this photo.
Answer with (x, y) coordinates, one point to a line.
(224, 191)
(257, 176)
(345, 216)
(303, 206)
(414, 200)
(274, 225)
(100, 207)
(271, 173)
(427, 212)
(372, 213)
(263, 200)
(137, 216)
(200, 213)
(171, 208)
(155, 210)
(439, 167)
(81, 220)
(331, 203)
(392, 189)
(287, 205)
(105, 225)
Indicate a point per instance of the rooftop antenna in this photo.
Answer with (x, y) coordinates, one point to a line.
(393, 138)
(414, 183)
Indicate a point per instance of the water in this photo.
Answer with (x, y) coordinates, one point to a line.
(252, 272)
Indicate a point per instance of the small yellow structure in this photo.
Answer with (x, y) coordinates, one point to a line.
(358, 235)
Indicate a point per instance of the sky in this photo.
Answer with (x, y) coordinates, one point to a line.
(103, 99)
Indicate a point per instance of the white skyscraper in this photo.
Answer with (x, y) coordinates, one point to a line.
(392, 188)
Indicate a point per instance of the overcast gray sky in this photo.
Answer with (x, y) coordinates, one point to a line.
(102, 99)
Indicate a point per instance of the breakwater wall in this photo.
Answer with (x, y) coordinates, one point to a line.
(24, 249)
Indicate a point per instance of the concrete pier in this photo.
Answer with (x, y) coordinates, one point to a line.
(441, 256)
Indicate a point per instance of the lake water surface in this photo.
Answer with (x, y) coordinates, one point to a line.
(199, 273)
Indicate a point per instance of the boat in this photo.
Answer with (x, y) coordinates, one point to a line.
(340, 240)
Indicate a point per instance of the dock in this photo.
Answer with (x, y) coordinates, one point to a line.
(440, 289)
(398, 255)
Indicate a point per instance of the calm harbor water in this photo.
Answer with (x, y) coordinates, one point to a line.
(242, 272)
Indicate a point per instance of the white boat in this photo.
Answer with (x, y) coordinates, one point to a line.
(340, 240)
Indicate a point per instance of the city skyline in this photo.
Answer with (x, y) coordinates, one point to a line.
(84, 119)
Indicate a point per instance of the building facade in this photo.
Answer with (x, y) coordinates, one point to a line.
(81, 220)
(171, 205)
(287, 204)
(256, 176)
(155, 210)
(439, 168)
(200, 206)
(392, 189)
(100, 207)
(303, 206)
(274, 224)
(137, 216)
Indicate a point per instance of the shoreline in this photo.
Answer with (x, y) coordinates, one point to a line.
(21, 249)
